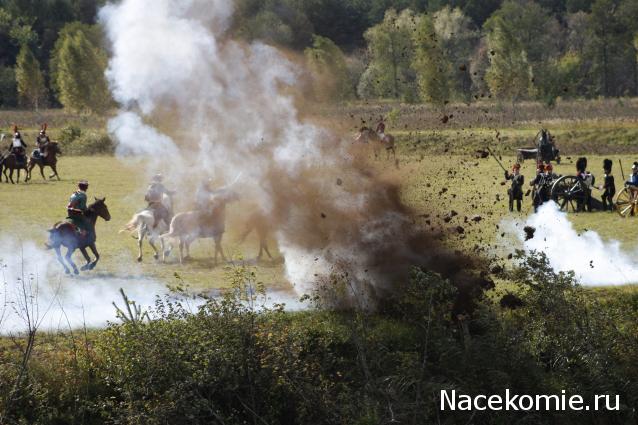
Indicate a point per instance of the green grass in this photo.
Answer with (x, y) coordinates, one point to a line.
(30, 209)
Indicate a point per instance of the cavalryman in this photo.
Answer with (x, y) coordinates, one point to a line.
(608, 187)
(18, 146)
(154, 195)
(77, 207)
(42, 142)
(515, 192)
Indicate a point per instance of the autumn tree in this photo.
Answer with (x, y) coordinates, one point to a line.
(432, 68)
(327, 64)
(29, 79)
(78, 70)
(391, 50)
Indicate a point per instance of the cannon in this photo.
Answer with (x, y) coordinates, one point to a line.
(626, 201)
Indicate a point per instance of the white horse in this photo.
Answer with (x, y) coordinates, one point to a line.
(369, 136)
(144, 222)
(211, 223)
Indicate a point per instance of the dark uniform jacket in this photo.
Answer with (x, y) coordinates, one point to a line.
(517, 184)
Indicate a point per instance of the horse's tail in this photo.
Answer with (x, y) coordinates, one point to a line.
(134, 224)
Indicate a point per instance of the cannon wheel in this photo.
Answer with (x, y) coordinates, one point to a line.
(626, 202)
(568, 192)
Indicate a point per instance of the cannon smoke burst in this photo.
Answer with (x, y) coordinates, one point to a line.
(594, 261)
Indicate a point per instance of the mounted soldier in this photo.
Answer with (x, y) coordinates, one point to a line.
(515, 192)
(18, 147)
(159, 200)
(42, 143)
(77, 207)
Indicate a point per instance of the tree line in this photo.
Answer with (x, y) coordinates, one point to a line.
(52, 52)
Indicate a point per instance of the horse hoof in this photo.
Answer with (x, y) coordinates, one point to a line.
(155, 256)
(92, 266)
(76, 271)
(67, 271)
(139, 259)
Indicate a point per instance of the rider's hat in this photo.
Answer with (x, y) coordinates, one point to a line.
(157, 178)
(548, 167)
(43, 129)
(635, 166)
(83, 183)
(516, 166)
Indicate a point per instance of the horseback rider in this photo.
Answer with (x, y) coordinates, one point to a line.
(515, 192)
(42, 143)
(77, 207)
(608, 187)
(381, 129)
(154, 195)
(203, 195)
(18, 146)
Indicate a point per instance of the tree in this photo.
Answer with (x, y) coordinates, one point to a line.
(29, 78)
(8, 89)
(431, 67)
(537, 33)
(509, 76)
(79, 67)
(457, 40)
(391, 49)
(329, 70)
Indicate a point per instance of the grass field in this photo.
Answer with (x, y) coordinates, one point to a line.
(475, 189)
(437, 172)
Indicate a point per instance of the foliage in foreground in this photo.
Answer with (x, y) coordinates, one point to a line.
(234, 361)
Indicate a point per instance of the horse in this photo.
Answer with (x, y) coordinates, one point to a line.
(200, 224)
(367, 135)
(64, 234)
(48, 159)
(148, 225)
(258, 221)
(10, 163)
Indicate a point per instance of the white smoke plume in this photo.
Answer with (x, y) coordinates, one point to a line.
(31, 283)
(595, 261)
(228, 109)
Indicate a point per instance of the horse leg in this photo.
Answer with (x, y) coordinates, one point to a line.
(54, 167)
(97, 256)
(218, 248)
(151, 242)
(140, 237)
(181, 250)
(265, 245)
(58, 255)
(87, 258)
(69, 260)
(42, 171)
(11, 176)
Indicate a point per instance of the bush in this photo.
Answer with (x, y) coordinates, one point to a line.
(76, 141)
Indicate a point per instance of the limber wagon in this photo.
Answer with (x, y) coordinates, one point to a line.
(544, 149)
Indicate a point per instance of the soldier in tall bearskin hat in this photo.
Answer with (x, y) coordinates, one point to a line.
(608, 187)
(515, 192)
(588, 181)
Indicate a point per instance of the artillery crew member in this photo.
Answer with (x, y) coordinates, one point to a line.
(588, 181)
(542, 184)
(77, 207)
(515, 192)
(633, 179)
(608, 187)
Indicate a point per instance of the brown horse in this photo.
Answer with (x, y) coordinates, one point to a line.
(369, 136)
(10, 163)
(46, 159)
(65, 234)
